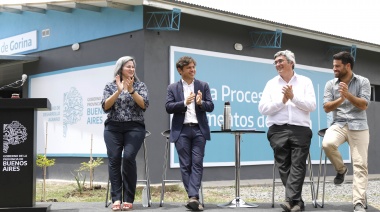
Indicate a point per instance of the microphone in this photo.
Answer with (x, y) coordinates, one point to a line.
(23, 79)
(16, 84)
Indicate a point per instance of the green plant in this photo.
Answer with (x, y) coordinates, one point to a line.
(81, 185)
(43, 162)
(90, 166)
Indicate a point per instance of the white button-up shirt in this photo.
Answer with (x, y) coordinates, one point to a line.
(295, 111)
(190, 115)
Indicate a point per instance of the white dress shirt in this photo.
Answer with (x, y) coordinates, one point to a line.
(190, 115)
(295, 111)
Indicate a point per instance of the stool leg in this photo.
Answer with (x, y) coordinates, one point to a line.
(201, 195)
(319, 175)
(324, 182)
(273, 183)
(324, 178)
(164, 172)
(162, 193)
(108, 191)
(149, 194)
(146, 198)
(311, 180)
(149, 197)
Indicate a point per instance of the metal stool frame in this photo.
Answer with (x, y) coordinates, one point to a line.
(147, 200)
(321, 133)
(166, 134)
(311, 181)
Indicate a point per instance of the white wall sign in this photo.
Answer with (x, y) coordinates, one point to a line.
(18, 43)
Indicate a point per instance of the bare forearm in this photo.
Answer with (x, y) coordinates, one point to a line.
(357, 102)
(111, 100)
(333, 105)
(139, 100)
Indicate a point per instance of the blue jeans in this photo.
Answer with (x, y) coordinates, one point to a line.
(119, 137)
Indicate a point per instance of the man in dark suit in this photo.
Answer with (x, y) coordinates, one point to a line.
(189, 100)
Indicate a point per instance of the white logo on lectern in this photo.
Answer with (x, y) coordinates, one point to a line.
(13, 134)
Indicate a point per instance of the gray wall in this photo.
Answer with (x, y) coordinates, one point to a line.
(151, 50)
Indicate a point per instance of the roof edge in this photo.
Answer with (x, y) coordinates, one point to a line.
(28, 58)
(259, 23)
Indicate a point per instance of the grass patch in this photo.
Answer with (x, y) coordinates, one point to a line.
(68, 192)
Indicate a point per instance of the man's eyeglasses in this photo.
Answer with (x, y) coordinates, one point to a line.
(278, 61)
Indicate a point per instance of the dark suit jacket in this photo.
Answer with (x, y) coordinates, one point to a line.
(175, 105)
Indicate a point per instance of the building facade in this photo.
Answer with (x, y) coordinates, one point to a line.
(71, 52)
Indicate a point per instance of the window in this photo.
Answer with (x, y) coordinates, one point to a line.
(375, 93)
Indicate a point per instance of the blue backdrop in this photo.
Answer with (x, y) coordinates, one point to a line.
(241, 80)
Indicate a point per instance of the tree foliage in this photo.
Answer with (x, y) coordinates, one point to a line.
(42, 161)
(90, 166)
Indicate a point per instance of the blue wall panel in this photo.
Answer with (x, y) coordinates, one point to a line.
(68, 28)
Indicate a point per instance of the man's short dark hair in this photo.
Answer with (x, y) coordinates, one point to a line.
(345, 57)
(184, 61)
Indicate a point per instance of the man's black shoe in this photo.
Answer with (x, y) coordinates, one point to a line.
(339, 179)
(286, 206)
(193, 204)
(187, 206)
(188, 201)
(299, 206)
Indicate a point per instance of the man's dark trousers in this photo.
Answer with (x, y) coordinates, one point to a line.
(290, 144)
(191, 147)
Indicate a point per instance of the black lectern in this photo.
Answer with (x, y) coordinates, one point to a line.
(18, 180)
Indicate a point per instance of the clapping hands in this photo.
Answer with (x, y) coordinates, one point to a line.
(191, 98)
(287, 90)
(125, 84)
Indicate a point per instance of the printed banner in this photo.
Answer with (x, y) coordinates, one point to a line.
(74, 125)
(241, 80)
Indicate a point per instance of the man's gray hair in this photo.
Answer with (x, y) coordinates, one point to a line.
(288, 54)
(121, 62)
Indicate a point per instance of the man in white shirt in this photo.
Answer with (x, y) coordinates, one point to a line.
(287, 101)
(189, 100)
